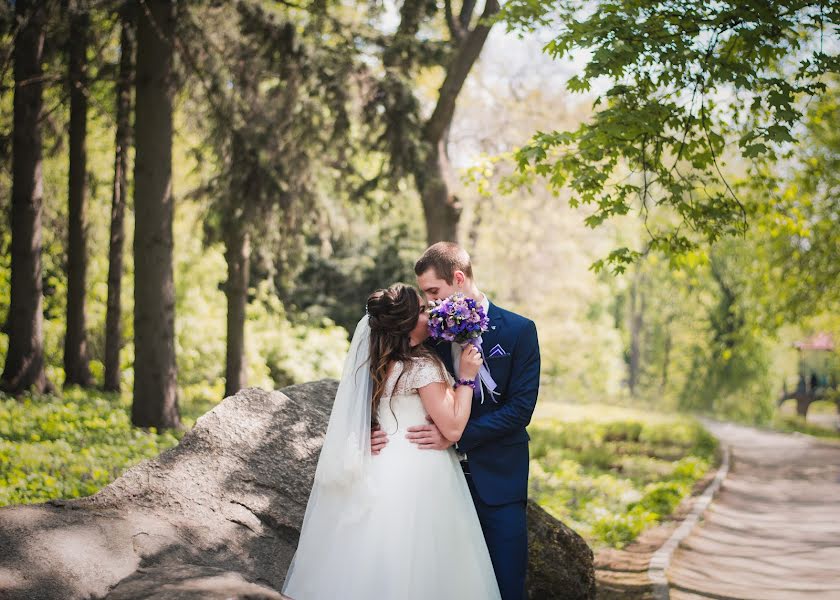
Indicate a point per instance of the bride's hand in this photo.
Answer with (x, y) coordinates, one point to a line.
(470, 362)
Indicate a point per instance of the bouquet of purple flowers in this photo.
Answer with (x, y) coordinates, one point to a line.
(457, 319)
(462, 320)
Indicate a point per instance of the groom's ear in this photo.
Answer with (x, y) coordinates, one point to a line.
(459, 278)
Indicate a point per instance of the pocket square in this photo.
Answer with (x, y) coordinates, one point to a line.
(497, 350)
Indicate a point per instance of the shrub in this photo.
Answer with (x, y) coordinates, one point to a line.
(618, 530)
(611, 480)
(623, 431)
(661, 498)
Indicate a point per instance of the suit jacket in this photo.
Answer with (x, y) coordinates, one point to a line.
(495, 439)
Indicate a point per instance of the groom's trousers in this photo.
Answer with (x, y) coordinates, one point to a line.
(506, 533)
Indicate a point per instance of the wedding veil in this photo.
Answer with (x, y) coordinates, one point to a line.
(340, 491)
(346, 449)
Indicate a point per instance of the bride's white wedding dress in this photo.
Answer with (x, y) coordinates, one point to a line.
(420, 538)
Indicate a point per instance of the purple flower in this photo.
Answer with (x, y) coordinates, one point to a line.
(457, 319)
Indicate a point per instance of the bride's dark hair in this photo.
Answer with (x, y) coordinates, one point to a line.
(393, 314)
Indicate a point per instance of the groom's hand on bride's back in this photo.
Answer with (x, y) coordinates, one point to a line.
(428, 437)
(378, 439)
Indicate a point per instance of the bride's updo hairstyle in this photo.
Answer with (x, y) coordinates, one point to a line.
(393, 314)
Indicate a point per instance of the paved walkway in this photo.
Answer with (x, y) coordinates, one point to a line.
(773, 530)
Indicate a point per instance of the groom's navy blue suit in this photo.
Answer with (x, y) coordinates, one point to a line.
(496, 443)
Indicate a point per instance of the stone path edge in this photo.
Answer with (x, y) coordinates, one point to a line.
(661, 559)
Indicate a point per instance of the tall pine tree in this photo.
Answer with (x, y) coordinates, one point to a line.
(125, 83)
(76, 368)
(155, 400)
(24, 367)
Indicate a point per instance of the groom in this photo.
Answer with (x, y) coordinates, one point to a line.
(494, 446)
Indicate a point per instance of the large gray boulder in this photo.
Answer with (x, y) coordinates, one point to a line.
(217, 516)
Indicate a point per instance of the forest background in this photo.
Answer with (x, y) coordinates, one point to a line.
(316, 149)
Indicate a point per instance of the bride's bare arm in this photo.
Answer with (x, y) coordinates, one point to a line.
(448, 408)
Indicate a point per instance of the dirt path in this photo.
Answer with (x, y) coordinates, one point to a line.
(773, 530)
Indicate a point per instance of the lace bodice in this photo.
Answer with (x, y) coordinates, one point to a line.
(400, 406)
(420, 372)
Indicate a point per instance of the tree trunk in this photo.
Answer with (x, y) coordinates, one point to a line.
(155, 371)
(474, 230)
(76, 370)
(637, 307)
(113, 326)
(666, 360)
(802, 404)
(24, 367)
(441, 209)
(237, 254)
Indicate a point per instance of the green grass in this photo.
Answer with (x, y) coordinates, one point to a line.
(73, 444)
(795, 423)
(607, 472)
(610, 473)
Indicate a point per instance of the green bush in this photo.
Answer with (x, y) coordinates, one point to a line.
(611, 480)
(618, 530)
(661, 498)
(623, 431)
(690, 468)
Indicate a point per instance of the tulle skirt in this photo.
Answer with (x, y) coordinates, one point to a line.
(413, 534)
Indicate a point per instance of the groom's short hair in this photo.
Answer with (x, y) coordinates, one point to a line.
(445, 258)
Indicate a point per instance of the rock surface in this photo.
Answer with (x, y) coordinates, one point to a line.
(218, 516)
(560, 564)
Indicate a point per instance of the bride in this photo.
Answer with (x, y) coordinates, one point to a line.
(400, 524)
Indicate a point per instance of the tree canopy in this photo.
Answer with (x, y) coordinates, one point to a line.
(683, 89)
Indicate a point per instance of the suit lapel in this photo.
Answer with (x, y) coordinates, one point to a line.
(492, 336)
